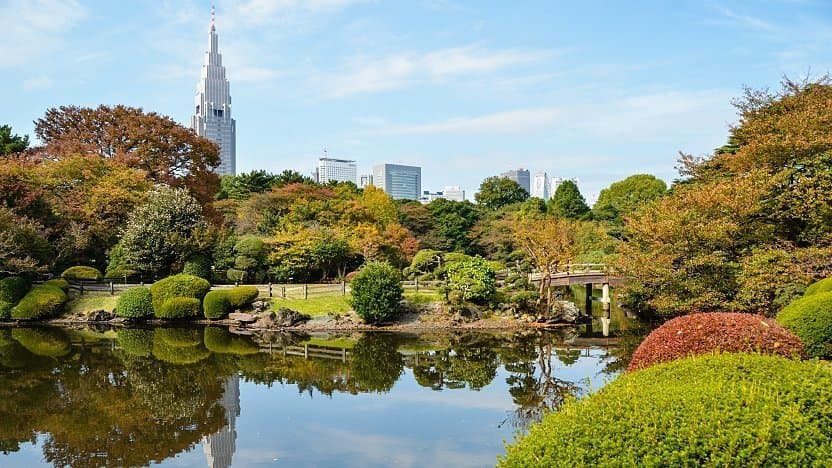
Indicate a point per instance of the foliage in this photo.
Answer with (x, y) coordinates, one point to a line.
(240, 187)
(117, 266)
(525, 300)
(180, 308)
(824, 285)
(158, 233)
(180, 285)
(41, 301)
(426, 260)
(376, 363)
(625, 196)
(12, 290)
(166, 151)
(453, 221)
(9, 143)
(216, 304)
(23, 248)
(242, 296)
(135, 303)
(497, 192)
(169, 347)
(706, 333)
(810, 318)
(474, 279)
(376, 292)
(549, 244)
(82, 273)
(42, 341)
(59, 283)
(198, 265)
(567, 202)
(723, 410)
(220, 340)
(135, 341)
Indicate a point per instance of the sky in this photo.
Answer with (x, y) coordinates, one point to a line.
(597, 90)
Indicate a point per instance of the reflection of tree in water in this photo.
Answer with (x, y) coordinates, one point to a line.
(470, 360)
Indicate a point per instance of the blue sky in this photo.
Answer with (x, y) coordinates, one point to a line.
(466, 89)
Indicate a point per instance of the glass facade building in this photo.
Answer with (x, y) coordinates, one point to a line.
(398, 181)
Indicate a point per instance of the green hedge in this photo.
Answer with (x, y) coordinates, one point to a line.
(12, 290)
(242, 296)
(198, 265)
(59, 283)
(810, 318)
(135, 341)
(82, 273)
(41, 301)
(216, 305)
(220, 340)
(376, 292)
(135, 303)
(181, 285)
(824, 285)
(180, 308)
(48, 342)
(716, 410)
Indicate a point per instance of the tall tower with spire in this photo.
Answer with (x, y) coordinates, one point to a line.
(212, 106)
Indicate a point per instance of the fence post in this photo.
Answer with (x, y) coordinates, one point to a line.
(343, 288)
(283, 291)
(416, 282)
(270, 290)
(236, 283)
(305, 291)
(82, 288)
(112, 290)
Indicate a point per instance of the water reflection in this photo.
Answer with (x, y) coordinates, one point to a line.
(140, 396)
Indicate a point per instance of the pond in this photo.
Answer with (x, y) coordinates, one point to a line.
(203, 396)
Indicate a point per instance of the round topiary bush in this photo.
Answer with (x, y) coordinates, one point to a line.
(198, 265)
(242, 296)
(216, 305)
(135, 303)
(733, 409)
(810, 318)
(695, 334)
(82, 273)
(376, 292)
(48, 342)
(41, 301)
(12, 290)
(180, 308)
(180, 285)
(824, 285)
(135, 341)
(59, 283)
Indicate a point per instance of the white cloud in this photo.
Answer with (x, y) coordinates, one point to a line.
(515, 121)
(373, 74)
(32, 28)
(38, 82)
(748, 21)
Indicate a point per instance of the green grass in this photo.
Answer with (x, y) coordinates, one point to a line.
(316, 306)
(89, 302)
(339, 342)
(422, 297)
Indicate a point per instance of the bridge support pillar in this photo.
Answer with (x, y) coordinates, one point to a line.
(605, 299)
(588, 302)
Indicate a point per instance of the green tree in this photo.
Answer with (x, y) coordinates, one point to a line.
(625, 196)
(567, 202)
(497, 192)
(473, 279)
(10, 143)
(454, 221)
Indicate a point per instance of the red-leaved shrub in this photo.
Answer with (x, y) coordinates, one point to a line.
(696, 334)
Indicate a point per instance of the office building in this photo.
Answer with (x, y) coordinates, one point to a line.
(540, 185)
(521, 176)
(338, 170)
(453, 193)
(398, 181)
(364, 180)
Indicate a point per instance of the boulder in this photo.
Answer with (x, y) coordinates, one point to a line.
(564, 312)
(100, 316)
(242, 317)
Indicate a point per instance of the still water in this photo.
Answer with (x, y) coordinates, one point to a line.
(208, 397)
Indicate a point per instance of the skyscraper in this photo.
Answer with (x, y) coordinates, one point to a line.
(220, 446)
(212, 106)
(338, 170)
(540, 186)
(398, 181)
(521, 176)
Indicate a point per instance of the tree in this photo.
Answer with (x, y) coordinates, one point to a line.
(376, 292)
(9, 143)
(497, 192)
(568, 202)
(168, 152)
(453, 220)
(625, 196)
(473, 279)
(159, 232)
(23, 249)
(549, 244)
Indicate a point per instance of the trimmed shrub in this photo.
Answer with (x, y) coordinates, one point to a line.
(242, 296)
(180, 285)
(220, 340)
(473, 278)
(82, 273)
(135, 303)
(59, 283)
(810, 318)
(717, 410)
(180, 308)
(198, 265)
(824, 285)
(376, 292)
(135, 341)
(40, 302)
(525, 300)
(48, 342)
(695, 334)
(12, 290)
(216, 305)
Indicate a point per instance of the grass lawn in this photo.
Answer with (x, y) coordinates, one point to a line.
(317, 305)
(89, 302)
(422, 297)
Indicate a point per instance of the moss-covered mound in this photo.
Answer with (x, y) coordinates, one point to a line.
(48, 342)
(135, 341)
(41, 301)
(824, 285)
(216, 304)
(220, 340)
(810, 318)
(135, 303)
(242, 296)
(12, 290)
(59, 283)
(181, 285)
(82, 273)
(695, 334)
(715, 410)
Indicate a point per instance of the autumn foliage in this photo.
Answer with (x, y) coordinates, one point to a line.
(705, 333)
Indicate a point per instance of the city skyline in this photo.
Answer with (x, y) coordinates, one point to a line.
(463, 89)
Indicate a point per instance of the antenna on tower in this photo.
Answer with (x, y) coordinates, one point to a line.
(213, 16)
(325, 153)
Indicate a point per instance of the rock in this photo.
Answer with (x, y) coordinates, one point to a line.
(100, 316)
(564, 312)
(242, 317)
(282, 319)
